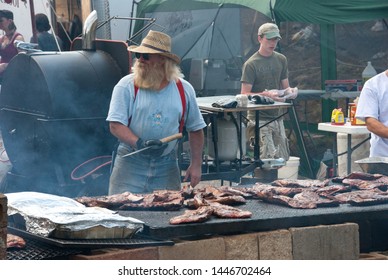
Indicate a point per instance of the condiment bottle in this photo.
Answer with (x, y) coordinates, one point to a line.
(337, 117)
(352, 114)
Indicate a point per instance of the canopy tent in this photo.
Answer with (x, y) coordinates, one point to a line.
(325, 13)
(312, 11)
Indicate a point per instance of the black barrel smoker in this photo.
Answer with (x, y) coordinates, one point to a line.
(53, 110)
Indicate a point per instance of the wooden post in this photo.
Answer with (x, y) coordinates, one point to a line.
(32, 12)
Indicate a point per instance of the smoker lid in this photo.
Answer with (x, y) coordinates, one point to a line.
(76, 84)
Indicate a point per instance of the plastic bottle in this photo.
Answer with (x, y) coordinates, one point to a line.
(337, 117)
(328, 160)
(327, 157)
(368, 72)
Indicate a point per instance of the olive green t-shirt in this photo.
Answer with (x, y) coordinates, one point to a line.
(265, 73)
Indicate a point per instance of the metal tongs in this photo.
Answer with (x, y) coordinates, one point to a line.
(163, 140)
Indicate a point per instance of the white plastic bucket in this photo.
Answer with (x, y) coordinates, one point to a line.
(290, 170)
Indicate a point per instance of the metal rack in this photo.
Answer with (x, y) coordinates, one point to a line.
(216, 170)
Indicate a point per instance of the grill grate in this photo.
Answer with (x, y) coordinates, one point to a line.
(36, 250)
(38, 247)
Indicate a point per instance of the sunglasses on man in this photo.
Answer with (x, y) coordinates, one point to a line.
(146, 56)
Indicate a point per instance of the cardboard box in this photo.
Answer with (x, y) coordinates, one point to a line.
(343, 85)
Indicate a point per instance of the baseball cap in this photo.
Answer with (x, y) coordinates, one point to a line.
(269, 30)
(6, 14)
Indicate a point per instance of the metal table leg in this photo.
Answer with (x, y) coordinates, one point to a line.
(349, 155)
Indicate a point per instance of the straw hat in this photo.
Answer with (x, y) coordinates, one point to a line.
(156, 42)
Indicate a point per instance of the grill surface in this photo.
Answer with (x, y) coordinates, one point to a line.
(266, 217)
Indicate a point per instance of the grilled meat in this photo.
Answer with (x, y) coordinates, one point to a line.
(363, 176)
(261, 190)
(357, 175)
(328, 191)
(229, 200)
(288, 201)
(201, 214)
(311, 196)
(363, 197)
(110, 201)
(294, 183)
(204, 212)
(365, 185)
(158, 200)
(226, 211)
(14, 241)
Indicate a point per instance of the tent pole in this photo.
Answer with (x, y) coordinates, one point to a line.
(328, 66)
(32, 12)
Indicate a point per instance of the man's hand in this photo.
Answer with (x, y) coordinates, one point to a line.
(193, 174)
(290, 93)
(157, 147)
(258, 99)
(274, 95)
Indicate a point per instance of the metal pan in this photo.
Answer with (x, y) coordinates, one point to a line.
(374, 165)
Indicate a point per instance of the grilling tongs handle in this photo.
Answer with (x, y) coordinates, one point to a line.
(163, 140)
(171, 138)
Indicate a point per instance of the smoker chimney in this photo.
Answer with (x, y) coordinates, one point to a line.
(89, 32)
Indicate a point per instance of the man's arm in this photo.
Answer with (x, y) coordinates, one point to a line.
(194, 172)
(285, 83)
(376, 127)
(123, 133)
(247, 89)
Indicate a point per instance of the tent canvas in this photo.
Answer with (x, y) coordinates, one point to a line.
(202, 39)
(312, 11)
(325, 13)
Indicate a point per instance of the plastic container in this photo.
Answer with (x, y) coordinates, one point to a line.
(368, 72)
(337, 117)
(227, 140)
(290, 170)
(352, 115)
(327, 159)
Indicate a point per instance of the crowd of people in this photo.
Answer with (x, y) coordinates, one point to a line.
(45, 38)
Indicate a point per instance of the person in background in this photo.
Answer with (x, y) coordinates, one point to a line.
(265, 73)
(45, 40)
(7, 47)
(372, 108)
(75, 27)
(146, 106)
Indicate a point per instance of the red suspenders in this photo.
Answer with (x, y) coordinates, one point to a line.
(183, 100)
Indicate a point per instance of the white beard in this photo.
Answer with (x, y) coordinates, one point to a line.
(148, 76)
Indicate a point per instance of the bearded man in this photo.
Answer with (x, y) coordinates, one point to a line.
(150, 104)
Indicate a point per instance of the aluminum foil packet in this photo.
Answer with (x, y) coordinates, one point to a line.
(45, 213)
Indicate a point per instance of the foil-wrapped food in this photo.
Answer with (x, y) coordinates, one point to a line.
(62, 217)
